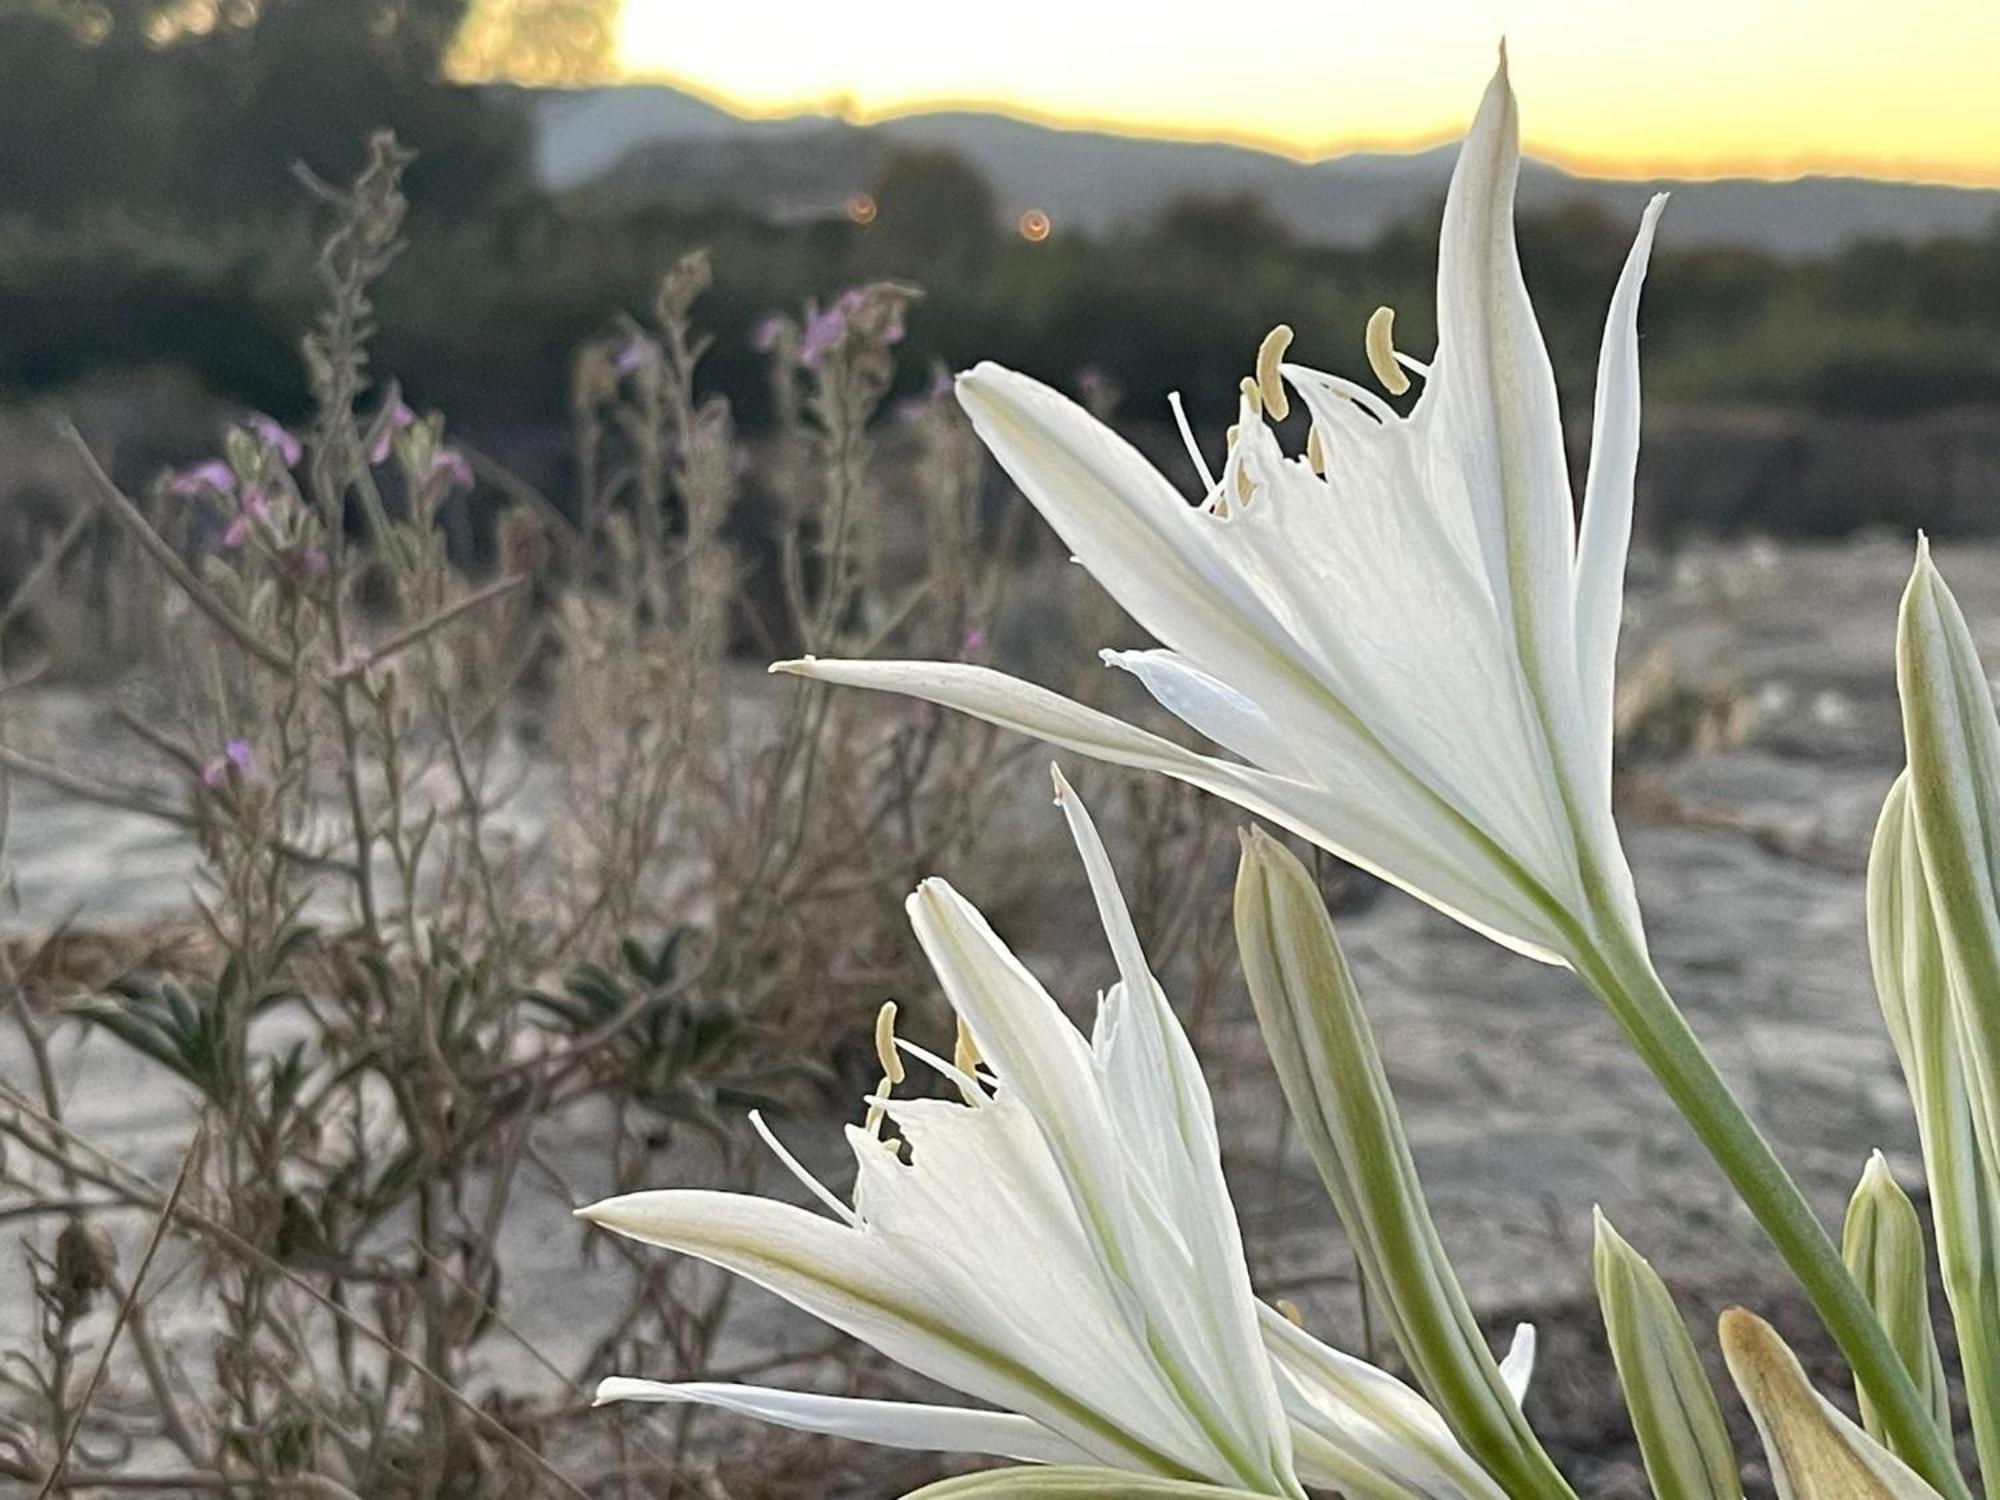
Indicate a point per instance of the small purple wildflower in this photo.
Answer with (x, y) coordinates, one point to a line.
(975, 640)
(634, 352)
(314, 559)
(400, 417)
(939, 388)
(235, 756)
(250, 506)
(454, 465)
(764, 337)
(823, 330)
(274, 435)
(211, 477)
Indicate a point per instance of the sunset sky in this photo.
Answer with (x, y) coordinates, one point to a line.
(1889, 88)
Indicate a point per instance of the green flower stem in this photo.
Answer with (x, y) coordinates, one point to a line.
(1619, 973)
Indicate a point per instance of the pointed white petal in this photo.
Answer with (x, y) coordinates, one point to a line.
(956, 1212)
(873, 1287)
(1607, 494)
(1370, 1416)
(1368, 816)
(1518, 1368)
(1492, 397)
(1160, 1106)
(890, 1424)
(1139, 537)
(1035, 1051)
(1215, 710)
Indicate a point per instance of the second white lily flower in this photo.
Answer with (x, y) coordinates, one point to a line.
(1061, 1245)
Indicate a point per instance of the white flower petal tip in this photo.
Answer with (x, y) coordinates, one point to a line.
(1518, 1368)
(616, 1388)
(1063, 790)
(798, 666)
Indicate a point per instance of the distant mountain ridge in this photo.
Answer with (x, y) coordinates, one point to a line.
(651, 138)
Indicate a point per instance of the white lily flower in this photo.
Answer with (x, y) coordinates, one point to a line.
(1060, 1245)
(1412, 651)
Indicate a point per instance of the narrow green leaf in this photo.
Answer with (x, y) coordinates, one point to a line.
(1682, 1437)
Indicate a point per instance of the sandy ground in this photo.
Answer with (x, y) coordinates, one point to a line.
(1523, 1105)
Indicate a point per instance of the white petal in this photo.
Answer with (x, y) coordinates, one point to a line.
(978, 1185)
(1165, 1119)
(1371, 1416)
(1492, 397)
(1166, 562)
(1215, 710)
(1518, 1368)
(868, 1285)
(891, 1424)
(1607, 494)
(1035, 1051)
(1408, 640)
(1366, 816)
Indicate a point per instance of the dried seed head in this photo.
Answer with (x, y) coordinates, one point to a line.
(85, 1258)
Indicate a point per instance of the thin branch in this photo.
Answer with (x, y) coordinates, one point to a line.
(403, 639)
(199, 594)
(104, 796)
(153, 1241)
(46, 564)
(115, 1175)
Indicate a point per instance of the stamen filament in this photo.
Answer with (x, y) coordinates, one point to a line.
(966, 1081)
(793, 1165)
(872, 1121)
(1187, 439)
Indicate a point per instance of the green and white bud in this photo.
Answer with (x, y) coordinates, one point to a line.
(1682, 1437)
(1327, 1063)
(1883, 1245)
(1953, 742)
(1934, 942)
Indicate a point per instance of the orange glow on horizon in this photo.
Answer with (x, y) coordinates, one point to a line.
(1720, 88)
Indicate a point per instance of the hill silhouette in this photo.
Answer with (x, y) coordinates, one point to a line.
(648, 139)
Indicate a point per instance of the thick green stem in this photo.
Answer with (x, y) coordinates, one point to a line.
(1621, 975)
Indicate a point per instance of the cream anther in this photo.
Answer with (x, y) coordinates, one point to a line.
(1269, 385)
(885, 1042)
(1381, 344)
